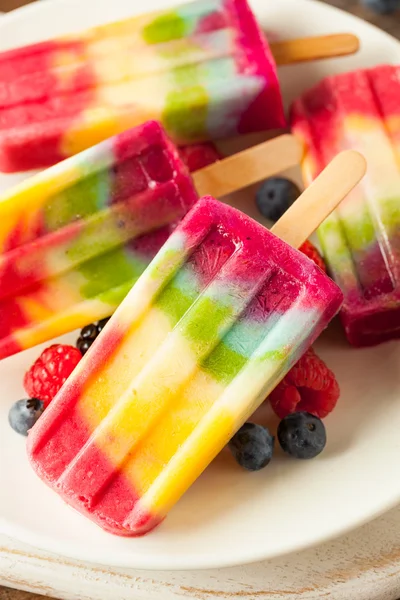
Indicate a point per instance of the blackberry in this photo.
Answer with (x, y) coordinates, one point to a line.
(89, 334)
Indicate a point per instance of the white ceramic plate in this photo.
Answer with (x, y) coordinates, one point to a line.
(229, 517)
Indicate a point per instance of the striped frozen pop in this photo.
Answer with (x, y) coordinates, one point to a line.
(361, 239)
(217, 319)
(204, 70)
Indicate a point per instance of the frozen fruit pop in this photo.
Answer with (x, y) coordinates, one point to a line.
(203, 69)
(74, 239)
(213, 324)
(361, 239)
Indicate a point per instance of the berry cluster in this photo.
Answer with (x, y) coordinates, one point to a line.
(47, 375)
(300, 434)
(306, 395)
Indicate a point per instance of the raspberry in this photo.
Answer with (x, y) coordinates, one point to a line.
(50, 371)
(309, 386)
(311, 251)
(199, 155)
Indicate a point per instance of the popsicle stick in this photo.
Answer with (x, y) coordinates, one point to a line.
(321, 198)
(247, 167)
(313, 48)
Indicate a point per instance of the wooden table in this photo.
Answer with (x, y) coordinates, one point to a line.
(375, 547)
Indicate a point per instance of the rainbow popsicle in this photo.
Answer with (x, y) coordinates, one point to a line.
(203, 69)
(75, 238)
(213, 324)
(361, 239)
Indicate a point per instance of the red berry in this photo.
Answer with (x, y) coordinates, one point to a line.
(309, 386)
(311, 251)
(199, 155)
(50, 371)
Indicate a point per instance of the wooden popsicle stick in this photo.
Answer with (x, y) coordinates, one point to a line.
(248, 167)
(321, 198)
(313, 48)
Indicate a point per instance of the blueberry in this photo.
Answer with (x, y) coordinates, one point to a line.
(275, 196)
(382, 7)
(24, 414)
(302, 435)
(252, 446)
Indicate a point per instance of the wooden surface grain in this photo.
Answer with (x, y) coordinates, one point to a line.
(9, 594)
(390, 23)
(7, 5)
